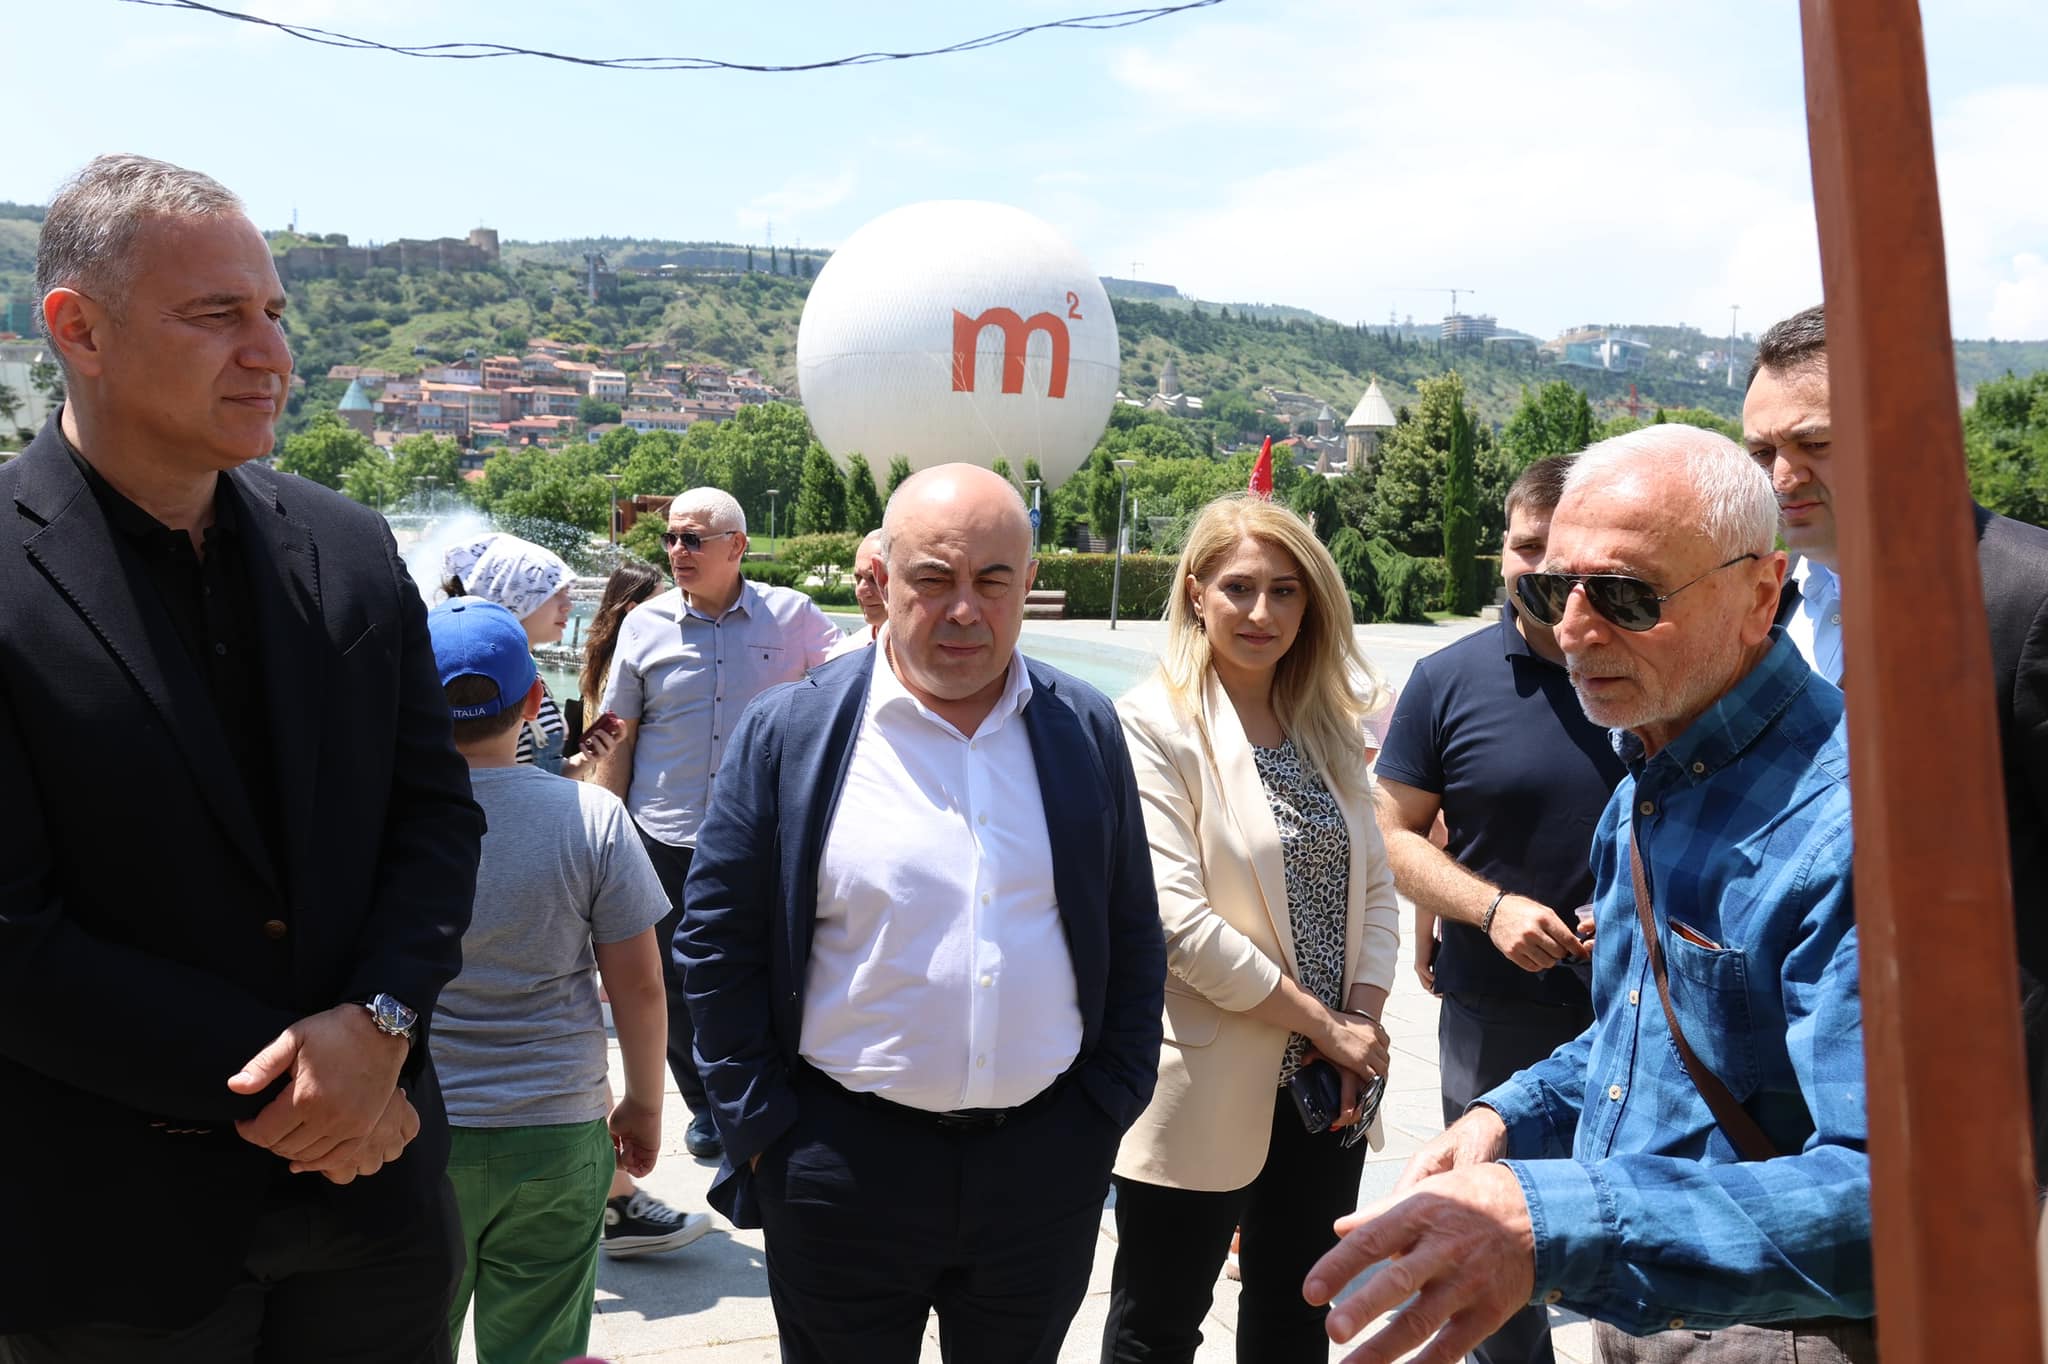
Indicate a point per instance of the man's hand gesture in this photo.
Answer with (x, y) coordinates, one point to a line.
(1531, 936)
(1459, 1244)
(343, 1071)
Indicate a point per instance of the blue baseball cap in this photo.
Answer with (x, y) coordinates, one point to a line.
(477, 638)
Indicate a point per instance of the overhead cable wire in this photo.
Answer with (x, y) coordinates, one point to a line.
(474, 51)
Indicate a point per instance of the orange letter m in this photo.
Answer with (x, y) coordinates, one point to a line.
(1016, 334)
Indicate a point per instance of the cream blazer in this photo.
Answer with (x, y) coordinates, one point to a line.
(1223, 901)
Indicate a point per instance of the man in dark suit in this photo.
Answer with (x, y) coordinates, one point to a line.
(1786, 426)
(240, 847)
(922, 948)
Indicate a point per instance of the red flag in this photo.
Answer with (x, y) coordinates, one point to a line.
(1261, 485)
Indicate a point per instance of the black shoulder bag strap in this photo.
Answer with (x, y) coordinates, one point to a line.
(1741, 1129)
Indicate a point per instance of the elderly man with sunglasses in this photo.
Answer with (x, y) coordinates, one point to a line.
(687, 663)
(1691, 1171)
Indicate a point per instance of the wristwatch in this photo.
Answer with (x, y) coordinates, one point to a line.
(392, 1018)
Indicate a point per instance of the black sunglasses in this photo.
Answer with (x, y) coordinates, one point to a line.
(1627, 602)
(689, 539)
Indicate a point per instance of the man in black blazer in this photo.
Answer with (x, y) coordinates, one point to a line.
(240, 847)
(1786, 426)
(922, 949)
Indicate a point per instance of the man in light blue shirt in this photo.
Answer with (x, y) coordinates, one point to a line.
(1812, 615)
(1603, 1178)
(687, 664)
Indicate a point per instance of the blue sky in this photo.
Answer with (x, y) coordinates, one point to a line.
(1571, 161)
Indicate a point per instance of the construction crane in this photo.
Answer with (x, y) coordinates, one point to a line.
(1425, 289)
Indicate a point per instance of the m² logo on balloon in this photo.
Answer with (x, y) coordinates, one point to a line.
(1016, 336)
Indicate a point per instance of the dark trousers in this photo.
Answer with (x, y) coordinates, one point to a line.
(1481, 1041)
(1830, 1342)
(875, 1215)
(1171, 1244)
(313, 1290)
(672, 865)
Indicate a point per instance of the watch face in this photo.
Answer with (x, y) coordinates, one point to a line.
(392, 1016)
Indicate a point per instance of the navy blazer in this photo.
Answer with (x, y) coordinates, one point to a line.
(750, 904)
(151, 941)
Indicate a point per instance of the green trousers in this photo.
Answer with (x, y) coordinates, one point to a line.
(532, 1205)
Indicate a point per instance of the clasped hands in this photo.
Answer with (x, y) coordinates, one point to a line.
(1454, 1236)
(342, 1115)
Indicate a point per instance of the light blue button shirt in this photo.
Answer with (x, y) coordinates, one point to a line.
(686, 676)
(1816, 622)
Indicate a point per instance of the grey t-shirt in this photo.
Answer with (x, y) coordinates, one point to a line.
(518, 1037)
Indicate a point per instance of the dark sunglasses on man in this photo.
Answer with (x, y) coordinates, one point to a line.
(1627, 602)
(689, 539)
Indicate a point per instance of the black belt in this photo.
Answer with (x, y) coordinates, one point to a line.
(958, 1119)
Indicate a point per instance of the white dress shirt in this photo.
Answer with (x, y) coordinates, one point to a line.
(1815, 624)
(939, 975)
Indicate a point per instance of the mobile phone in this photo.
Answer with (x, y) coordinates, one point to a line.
(610, 723)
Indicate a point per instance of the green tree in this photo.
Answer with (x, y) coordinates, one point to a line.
(1001, 469)
(863, 504)
(324, 450)
(596, 412)
(1555, 420)
(1315, 500)
(821, 499)
(1408, 487)
(899, 469)
(1702, 418)
(1361, 578)
(1461, 516)
(2005, 442)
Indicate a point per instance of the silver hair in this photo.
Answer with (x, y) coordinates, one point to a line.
(89, 231)
(907, 488)
(1738, 511)
(716, 507)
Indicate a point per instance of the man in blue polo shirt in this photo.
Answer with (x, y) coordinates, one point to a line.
(1489, 732)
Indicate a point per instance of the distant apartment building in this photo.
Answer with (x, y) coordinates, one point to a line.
(553, 400)
(536, 366)
(502, 371)
(608, 385)
(574, 372)
(1460, 328)
(643, 421)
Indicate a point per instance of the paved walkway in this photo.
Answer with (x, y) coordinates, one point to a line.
(708, 1303)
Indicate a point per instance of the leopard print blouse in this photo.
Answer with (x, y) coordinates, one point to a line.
(1316, 848)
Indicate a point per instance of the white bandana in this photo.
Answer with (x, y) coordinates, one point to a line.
(516, 574)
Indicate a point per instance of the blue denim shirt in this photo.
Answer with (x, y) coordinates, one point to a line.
(1644, 1216)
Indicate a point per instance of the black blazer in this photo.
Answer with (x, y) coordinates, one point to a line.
(2013, 557)
(751, 902)
(136, 967)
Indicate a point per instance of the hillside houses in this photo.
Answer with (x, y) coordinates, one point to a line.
(537, 398)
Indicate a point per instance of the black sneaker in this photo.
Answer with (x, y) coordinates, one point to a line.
(701, 1137)
(641, 1224)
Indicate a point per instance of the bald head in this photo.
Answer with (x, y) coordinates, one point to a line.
(956, 566)
(960, 495)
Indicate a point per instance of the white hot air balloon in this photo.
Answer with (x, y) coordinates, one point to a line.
(958, 331)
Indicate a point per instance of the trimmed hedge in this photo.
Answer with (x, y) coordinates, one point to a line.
(1086, 579)
(773, 573)
(838, 594)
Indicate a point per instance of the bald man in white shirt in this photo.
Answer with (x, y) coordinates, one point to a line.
(920, 942)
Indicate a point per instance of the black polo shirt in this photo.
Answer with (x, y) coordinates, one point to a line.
(212, 609)
(1496, 731)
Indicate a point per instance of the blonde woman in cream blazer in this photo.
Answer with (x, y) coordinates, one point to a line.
(1282, 938)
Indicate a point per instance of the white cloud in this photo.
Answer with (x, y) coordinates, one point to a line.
(2019, 304)
(798, 198)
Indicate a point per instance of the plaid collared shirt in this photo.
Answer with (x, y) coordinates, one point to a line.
(1644, 1216)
